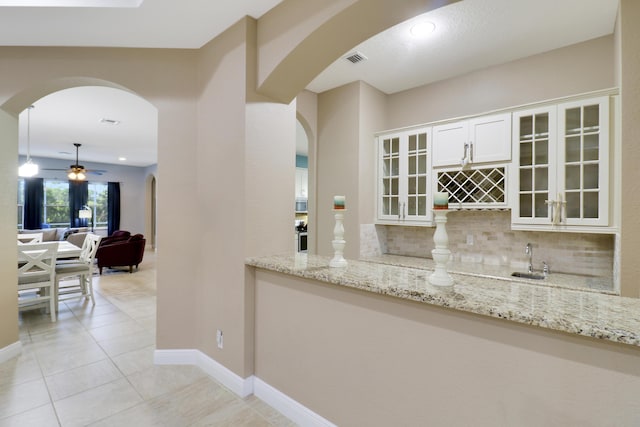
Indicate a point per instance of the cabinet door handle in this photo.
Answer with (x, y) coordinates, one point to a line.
(471, 152)
(465, 151)
(399, 211)
(404, 210)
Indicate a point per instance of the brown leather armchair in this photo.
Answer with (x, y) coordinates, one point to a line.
(121, 253)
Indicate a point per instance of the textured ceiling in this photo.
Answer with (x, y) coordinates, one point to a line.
(470, 35)
(74, 115)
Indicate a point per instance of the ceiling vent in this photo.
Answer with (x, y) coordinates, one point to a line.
(356, 57)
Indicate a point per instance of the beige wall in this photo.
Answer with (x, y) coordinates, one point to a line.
(579, 68)
(220, 197)
(360, 359)
(347, 118)
(246, 160)
(337, 161)
(630, 97)
(8, 256)
(373, 114)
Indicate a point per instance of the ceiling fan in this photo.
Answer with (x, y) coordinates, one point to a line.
(76, 171)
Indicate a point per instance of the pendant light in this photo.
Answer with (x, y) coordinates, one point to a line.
(28, 169)
(77, 172)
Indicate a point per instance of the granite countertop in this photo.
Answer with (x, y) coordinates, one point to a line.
(587, 313)
(560, 280)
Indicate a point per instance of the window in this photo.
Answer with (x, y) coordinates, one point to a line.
(56, 203)
(98, 204)
(20, 203)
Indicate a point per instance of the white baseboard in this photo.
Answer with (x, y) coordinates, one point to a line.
(288, 407)
(10, 351)
(243, 387)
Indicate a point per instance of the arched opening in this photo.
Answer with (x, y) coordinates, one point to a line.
(305, 159)
(101, 163)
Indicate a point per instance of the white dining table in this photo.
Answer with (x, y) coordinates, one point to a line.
(68, 250)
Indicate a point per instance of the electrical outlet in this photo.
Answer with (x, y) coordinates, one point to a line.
(219, 339)
(469, 239)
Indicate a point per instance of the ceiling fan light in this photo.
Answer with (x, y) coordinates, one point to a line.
(80, 176)
(28, 169)
(71, 175)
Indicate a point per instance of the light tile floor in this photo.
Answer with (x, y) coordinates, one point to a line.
(94, 367)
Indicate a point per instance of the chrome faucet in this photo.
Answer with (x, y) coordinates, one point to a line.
(529, 251)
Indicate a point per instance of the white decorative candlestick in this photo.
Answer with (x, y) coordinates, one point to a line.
(338, 240)
(441, 253)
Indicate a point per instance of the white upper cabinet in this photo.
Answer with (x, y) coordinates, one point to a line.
(302, 182)
(484, 139)
(404, 177)
(561, 176)
(561, 165)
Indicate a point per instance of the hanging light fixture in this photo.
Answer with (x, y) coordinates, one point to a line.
(28, 169)
(77, 172)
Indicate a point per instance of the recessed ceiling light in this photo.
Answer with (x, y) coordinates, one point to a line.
(110, 121)
(71, 3)
(422, 29)
(122, 159)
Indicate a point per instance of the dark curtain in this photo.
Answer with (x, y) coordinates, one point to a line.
(113, 207)
(78, 197)
(33, 201)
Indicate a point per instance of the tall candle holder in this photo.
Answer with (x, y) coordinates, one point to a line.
(441, 253)
(338, 241)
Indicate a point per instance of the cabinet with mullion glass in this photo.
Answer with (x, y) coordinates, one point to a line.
(390, 176)
(584, 157)
(534, 151)
(561, 154)
(403, 177)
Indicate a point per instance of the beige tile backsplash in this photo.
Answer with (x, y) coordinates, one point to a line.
(495, 243)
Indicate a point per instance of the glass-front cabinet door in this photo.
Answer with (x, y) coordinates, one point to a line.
(583, 130)
(404, 176)
(562, 164)
(416, 176)
(534, 151)
(389, 191)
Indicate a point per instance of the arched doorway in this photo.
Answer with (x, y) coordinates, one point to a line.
(9, 139)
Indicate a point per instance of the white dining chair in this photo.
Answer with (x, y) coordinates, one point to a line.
(36, 276)
(82, 268)
(26, 238)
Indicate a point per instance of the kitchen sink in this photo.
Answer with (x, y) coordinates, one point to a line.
(533, 276)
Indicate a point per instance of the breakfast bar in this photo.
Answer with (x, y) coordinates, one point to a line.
(592, 314)
(490, 351)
